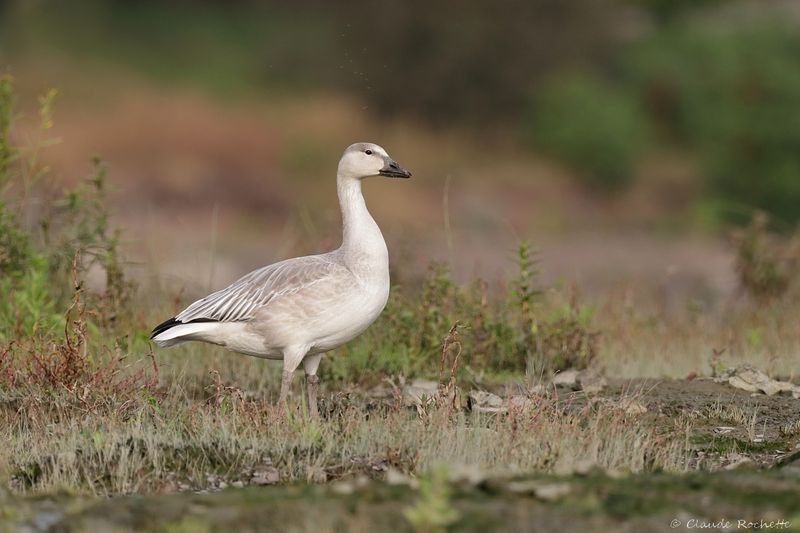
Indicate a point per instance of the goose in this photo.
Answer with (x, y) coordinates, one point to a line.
(298, 309)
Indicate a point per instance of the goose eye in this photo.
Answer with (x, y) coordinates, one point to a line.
(368, 152)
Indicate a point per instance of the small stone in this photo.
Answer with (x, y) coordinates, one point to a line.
(467, 475)
(238, 484)
(343, 487)
(750, 379)
(395, 477)
(591, 381)
(485, 402)
(222, 485)
(739, 461)
(265, 475)
(566, 378)
(315, 474)
(549, 492)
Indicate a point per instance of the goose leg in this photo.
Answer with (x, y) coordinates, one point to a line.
(286, 384)
(291, 360)
(310, 365)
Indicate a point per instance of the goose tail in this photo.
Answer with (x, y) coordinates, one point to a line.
(173, 331)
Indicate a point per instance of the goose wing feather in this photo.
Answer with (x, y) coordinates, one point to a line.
(243, 298)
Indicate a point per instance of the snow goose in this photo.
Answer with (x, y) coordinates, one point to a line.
(298, 309)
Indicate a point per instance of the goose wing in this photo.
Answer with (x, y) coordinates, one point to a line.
(240, 300)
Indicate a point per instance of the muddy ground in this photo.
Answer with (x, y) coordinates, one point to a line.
(745, 475)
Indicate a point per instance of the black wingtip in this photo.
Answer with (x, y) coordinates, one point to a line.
(164, 326)
(172, 322)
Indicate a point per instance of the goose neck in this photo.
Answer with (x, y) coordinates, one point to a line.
(359, 230)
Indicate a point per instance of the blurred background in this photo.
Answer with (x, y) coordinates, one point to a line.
(624, 138)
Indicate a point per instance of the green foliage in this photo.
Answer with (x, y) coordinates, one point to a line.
(7, 100)
(29, 308)
(15, 249)
(590, 124)
(768, 265)
(433, 512)
(567, 340)
(46, 315)
(730, 93)
(478, 67)
(666, 11)
(481, 65)
(524, 293)
(513, 334)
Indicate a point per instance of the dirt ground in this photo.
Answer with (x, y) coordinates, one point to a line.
(730, 426)
(745, 475)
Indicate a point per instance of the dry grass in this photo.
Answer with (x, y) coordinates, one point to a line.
(184, 442)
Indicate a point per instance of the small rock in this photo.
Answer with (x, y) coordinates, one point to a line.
(265, 475)
(571, 467)
(471, 476)
(739, 383)
(739, 460)
(222, 485)
(485, 402)
(316, 474)
(591, 380)
(750, 379)
(343, 487)
(395, 477)
(566, 378)
(238, 484)
(172, 486)
(542, 490)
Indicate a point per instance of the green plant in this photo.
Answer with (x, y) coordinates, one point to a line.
(726, 92)
(57, 337)
(432, 512)
(566, 341)
(767, 264)
(592, 125)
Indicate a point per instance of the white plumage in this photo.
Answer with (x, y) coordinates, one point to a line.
(297, 309)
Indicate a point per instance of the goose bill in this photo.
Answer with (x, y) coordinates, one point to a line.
(393, 170)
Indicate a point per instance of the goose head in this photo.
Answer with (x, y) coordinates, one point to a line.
(365, 160)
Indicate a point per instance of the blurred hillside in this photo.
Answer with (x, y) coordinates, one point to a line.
(621, 137)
